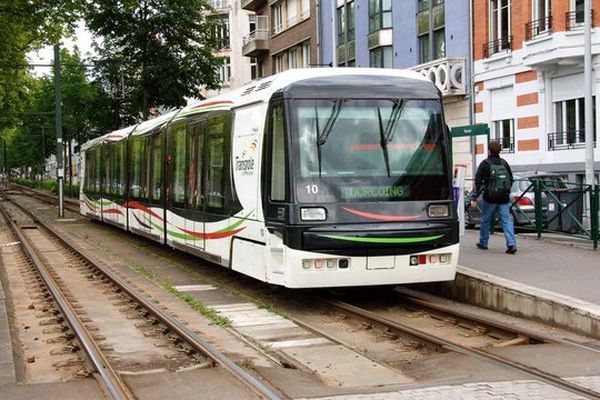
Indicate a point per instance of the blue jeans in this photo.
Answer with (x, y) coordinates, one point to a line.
(507, 223)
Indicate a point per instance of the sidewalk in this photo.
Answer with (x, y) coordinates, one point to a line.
(559, 267)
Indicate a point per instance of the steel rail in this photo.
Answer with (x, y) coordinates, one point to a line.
(199, 344)
(473, 352)
(114, 384)
(507, 327)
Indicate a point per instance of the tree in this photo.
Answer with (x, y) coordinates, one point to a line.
(153, 53)
(33, 137)
(26, 26)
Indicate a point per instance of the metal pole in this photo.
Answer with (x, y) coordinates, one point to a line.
(59, 147)
(589, 108)
(333, 34)
(5, 160)
(472, 142)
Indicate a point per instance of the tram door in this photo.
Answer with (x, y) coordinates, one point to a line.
(194, 185)
(184, 176)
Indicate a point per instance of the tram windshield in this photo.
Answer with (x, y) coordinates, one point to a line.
(369, 150)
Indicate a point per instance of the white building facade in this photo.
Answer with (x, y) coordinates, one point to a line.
(529, 81)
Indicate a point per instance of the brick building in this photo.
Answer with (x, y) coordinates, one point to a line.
(283, 36)
(528, 74)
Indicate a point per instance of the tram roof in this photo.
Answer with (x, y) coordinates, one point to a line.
(308, 82)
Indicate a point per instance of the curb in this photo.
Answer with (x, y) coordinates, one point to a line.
(509, 297)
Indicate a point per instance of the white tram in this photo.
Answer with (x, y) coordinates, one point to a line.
(309, 178)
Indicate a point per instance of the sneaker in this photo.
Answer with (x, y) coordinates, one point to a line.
(481, 247)
(511, 250)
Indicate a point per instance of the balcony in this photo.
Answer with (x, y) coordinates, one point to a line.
(448, 74)
(253, 5)
(567, 140)
(496, 46)
(221, 6)
(574, 19)
(257, 42)
(538, 28)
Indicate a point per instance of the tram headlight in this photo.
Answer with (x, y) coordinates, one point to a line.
(313, 214)
(438, 210)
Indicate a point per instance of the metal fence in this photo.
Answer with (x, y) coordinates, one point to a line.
(546, 205)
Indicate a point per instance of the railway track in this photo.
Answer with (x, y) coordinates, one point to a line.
(503, 334)
(508, 334)
(37, 239)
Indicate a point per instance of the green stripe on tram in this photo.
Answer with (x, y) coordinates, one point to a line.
(387, 240)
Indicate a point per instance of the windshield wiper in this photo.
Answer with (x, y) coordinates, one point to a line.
(397, 109)
(384, 143)
(322, 136)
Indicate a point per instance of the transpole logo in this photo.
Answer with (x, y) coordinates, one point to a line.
(245, 162)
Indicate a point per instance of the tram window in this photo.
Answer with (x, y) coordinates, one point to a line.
(199, 139)
(88, 171)
(105, 170)
(192, 172)
(278, 161)
(218, 130)
(136, 150)
(97, 169)
(146, 161)
(177, 152)
(121, 168)
(157, 167)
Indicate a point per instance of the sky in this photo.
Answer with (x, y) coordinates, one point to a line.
(82, 38)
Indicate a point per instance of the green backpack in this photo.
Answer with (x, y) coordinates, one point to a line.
(498, 186)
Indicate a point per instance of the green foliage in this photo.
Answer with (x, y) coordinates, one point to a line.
(153, 53)
(48, 185)
(32, 138)
(26, 26)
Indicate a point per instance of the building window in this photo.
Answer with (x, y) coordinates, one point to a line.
(380, 14)
(430, 29)
(277, 18)
(570, 124)
(382, 57)
(292, 12)
(253, 68)
(500, 33)
(504, 132)
(251, 23)
(542, 20)
(346, 34)
(293, 58)
(225, 70)
(280, 63)
(305, 9)
(221, 33)
(305, 54)
(576, 17)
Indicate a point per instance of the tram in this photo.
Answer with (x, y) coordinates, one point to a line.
(309, 178)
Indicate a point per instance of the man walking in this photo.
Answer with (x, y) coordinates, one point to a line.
(494, 179)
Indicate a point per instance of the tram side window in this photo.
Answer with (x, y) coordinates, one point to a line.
(198, 130)
(122, 177)
(88, 171)
(155, 189)
(178, 159)
(146, 164)
(278, 160)
(191, 194)
(136, 151)
(97, 169)
(218, 130)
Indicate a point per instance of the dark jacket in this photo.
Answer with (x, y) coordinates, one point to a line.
(483, 176)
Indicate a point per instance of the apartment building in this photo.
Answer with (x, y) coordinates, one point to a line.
(528, 74)
(236, 70)
(428, 36)
(284, 35)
